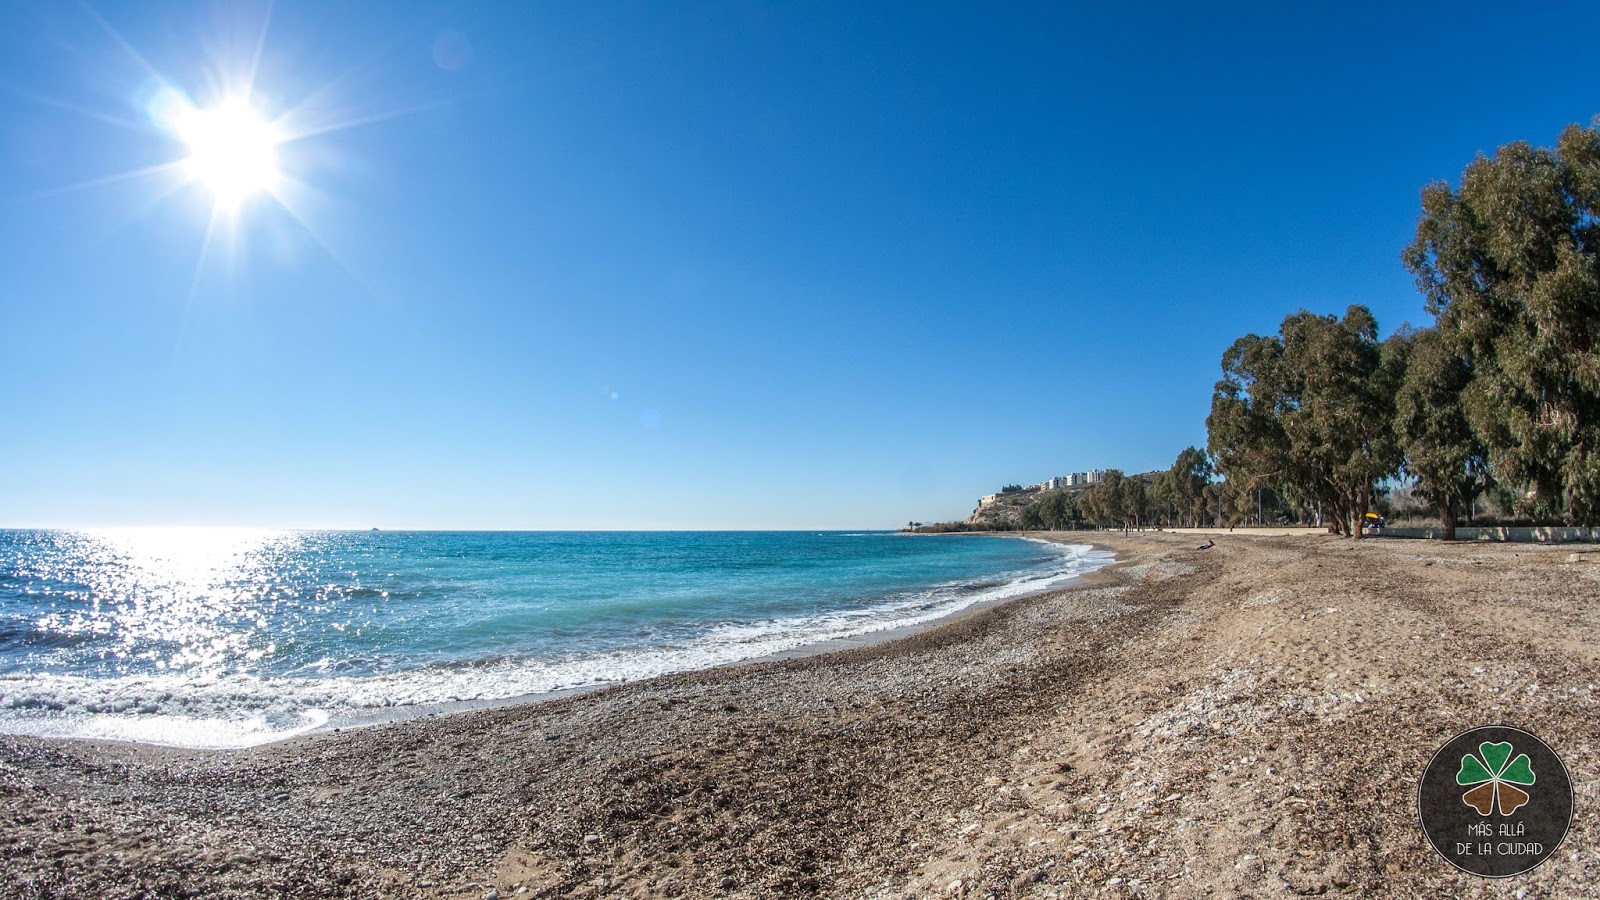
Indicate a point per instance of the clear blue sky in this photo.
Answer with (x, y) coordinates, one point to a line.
(684, 265)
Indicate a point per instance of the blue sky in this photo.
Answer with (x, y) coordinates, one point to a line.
(681, 265)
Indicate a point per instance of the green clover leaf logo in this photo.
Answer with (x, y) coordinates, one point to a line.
(1495, 778)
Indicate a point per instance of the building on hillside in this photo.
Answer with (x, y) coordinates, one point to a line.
(987, 500)
(1077, 478)
(1055, 484)
(1096, 476)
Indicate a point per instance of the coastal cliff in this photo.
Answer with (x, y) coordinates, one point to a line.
(1006, 509)
(1005, 512)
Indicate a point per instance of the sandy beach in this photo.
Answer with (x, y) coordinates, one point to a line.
(1245, 721)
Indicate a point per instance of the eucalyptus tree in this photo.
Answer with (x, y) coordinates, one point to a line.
(1104, 503)
(1310, 413)
(1441, 451)
(1031, 518)
(1510, 266)
(1134, 496)
(1164, 499)
(1092, 504)
(1185, 483)
(1245, 429)
(1215, 501)
(1059, 510)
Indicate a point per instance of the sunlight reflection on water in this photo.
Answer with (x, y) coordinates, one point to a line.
(175, 598)
(226, 636)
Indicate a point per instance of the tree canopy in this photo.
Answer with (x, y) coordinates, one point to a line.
(1056, 509)
(1180, 491)
(1310, 412)
(1441, 450)
(1510, 266)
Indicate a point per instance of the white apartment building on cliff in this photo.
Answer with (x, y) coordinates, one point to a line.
(1074, 479)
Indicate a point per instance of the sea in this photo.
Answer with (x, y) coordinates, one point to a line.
(213, 637)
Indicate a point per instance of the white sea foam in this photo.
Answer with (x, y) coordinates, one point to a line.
(241, 710)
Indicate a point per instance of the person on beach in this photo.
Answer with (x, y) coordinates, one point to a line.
(1207, 545)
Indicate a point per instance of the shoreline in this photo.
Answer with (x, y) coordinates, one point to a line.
(804, 651)
(1246, 721)
(338, 723)
(977, 607)
(815, 648)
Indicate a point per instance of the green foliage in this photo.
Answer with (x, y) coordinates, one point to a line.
(1106, 503)
(1011, 489)
(948, 528)
(1055, 510)
(1031, 518)
(1510, 265)
(1134, 499)
(1441, 450)
(1309, 412)
(1179, 492)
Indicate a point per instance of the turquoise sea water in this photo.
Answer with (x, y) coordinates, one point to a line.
(220, 637)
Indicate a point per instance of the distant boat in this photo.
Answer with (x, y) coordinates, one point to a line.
(374, 529)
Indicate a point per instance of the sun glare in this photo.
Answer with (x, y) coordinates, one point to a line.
(232, 150)
(234, 138)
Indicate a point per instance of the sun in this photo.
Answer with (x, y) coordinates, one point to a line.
(233, 139)
(233, 150)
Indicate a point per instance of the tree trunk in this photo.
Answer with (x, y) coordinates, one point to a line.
(1447, 520)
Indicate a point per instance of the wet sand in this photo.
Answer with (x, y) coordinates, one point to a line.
(1245, 721)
